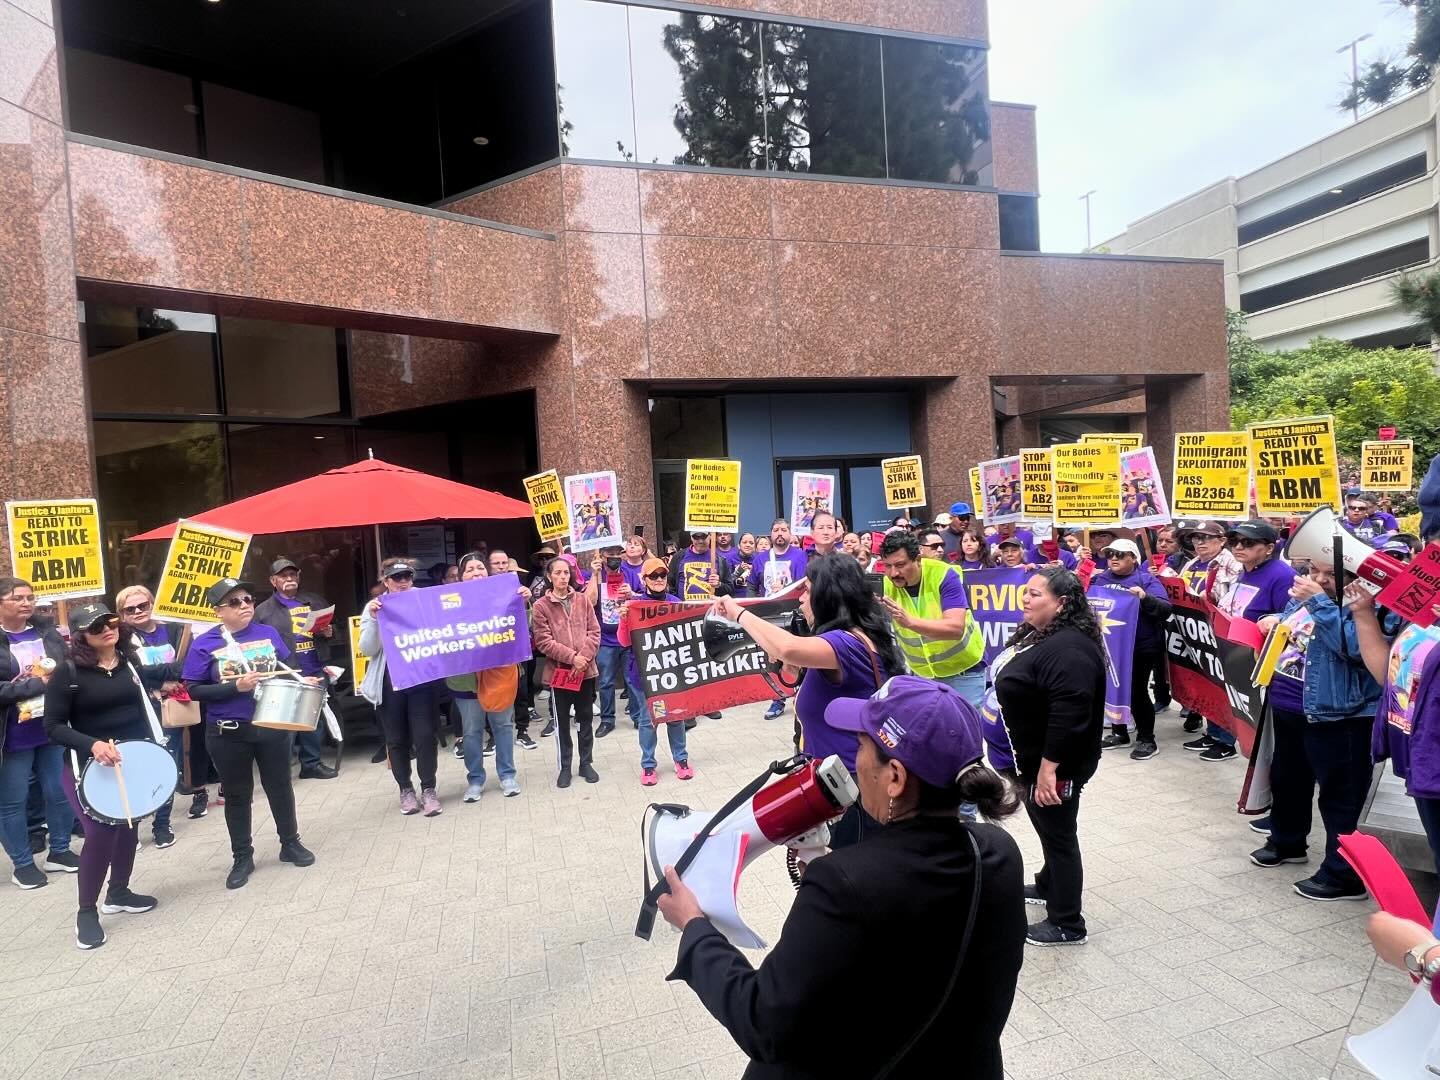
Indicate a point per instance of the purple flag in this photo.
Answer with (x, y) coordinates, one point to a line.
(1117, 612)
(455, 629)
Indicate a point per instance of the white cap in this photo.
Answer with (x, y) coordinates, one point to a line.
(1124, 547)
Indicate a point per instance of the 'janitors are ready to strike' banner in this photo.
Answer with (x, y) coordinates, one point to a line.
(55, 546)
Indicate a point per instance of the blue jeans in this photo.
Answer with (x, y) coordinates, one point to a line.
(614, 665)
(1218, 733)
(15, 770)
(502, 725)
(674, 731)
(175, 743)
(968, 684)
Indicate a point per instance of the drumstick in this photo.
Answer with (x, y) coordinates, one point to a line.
(120, 782)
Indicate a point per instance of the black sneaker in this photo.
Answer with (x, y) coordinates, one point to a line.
(39, 841)
(1144, 750)
(164, 837)
(318, 772)
(524, 739)
(1046, 934)
(89, 934)
(1115, 739)
(1217, 752)
(488, 749)
(1268, 856)
(691, 723)
(589, 773)
(716, 715)
(379, 755)
(118, 900)
(292, 851)
(603, 730)
(460, 749)
(240, 872)
(1204, 742)
(534, 716)
(1261, 825)
(1034, 896)
(548, 729)
(563, 780)
(62, 862)
(199, 804)
(29, 876)
(1192, 723)
(1314, 889)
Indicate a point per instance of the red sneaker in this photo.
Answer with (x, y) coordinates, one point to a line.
(683, 771)
(648, 778)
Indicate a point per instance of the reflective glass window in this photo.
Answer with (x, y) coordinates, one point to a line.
(279, 369)
(150, 360)
(592, 80)
(699, 92)
(937, 112)
(825, 104)
(1019, 223)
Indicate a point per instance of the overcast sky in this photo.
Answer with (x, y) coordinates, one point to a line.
(1149, 101)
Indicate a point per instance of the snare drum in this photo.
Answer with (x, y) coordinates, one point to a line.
(288, 704)
(150, 778)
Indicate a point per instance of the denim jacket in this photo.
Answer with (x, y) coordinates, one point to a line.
(1337, 684)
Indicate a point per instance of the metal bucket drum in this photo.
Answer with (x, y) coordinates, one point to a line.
(150, 776)
(288, 704)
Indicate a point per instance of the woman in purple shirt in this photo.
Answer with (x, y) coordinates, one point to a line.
(850, 652)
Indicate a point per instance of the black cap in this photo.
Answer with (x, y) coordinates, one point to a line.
(396, 567)
(86, 616)
(280, 565)
(1256, 530)
(223, 588)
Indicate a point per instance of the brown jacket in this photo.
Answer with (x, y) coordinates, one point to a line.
(563, 638)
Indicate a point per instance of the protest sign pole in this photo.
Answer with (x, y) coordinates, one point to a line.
(712, 558)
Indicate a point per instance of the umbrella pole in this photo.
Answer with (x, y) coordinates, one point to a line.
(379, 558)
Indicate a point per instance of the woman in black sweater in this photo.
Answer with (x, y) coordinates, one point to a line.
(89, 703)
(1051, 686)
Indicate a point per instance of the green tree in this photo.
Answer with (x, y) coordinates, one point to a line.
(1384, 80)
(1419, 294)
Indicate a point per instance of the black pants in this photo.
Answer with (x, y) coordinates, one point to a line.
(409, 718)
(1162, 683)
(1336, 755)
(1062, 879)
(524, 697)
(1141, 707)
(582, 704)
(236, 752)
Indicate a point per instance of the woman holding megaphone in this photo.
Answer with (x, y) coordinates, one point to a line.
(849, 653)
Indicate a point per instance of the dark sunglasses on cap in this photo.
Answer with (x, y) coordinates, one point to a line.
(102, 624)
(656, 575)
(238, 602)
(135, 609)
(1245, 542)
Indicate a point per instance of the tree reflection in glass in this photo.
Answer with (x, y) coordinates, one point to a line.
(826, 106)
(937, 112)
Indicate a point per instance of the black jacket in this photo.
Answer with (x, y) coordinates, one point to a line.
(14, 690)
(815, 1007)
(273, 613)
(1053, 697)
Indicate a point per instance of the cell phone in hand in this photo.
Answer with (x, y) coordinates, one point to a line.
(1066, 789)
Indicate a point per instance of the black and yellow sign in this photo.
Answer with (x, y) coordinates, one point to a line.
(1087, 483)
(1125, 440)
(977, 497)
(1296, 466)
(547, 503)
(1037, 484)
(1212, 475)
(1387, 466)
(712, 495)
(359, 662)
(904, 482)
(199, 556)
(55, 546)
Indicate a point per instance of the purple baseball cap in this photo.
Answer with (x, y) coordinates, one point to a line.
(925, 725)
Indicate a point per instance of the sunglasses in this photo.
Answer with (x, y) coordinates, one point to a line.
(656, 576)
(99, 626)
(1246, 542)
(238, 602)
(404, 575)
(135, 609)
(1355, 509)
(932, 545)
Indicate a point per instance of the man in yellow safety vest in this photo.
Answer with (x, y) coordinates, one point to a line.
(926, 601)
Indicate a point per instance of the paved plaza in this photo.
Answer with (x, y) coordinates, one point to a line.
(495, 941)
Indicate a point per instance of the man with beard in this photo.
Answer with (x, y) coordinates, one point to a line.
(774, 571)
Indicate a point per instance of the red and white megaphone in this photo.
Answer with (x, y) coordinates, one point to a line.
(792, 811)
(1315, 541)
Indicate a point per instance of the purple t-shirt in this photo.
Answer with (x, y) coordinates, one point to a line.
(307, 661)
(24, 723)
(262, 646)
(1407, 719)
(773, 571)
(607, 604)
(1262, 591)
(857, 680)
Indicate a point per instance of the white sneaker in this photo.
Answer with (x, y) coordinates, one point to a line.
(473, 792)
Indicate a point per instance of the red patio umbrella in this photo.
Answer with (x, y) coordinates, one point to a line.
(369, 492)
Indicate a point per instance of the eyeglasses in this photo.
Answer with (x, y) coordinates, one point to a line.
(1359, 507)
(932, 546)
(135, 609)
(238, 602)
(656, 576)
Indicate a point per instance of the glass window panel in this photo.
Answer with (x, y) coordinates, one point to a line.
(592, 77)
(263, 134)
(150, 360)
(699, 96)
(131, 102)
(867, 500)
(1019, 223)
(280, 369)
(687, 427)
(825, 102)
(265, 456)
(937, 112)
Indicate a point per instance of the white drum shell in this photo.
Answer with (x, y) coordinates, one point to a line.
(288, 705)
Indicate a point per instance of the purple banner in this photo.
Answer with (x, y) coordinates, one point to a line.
(994, 597)
(458, 629)
(1117, 612)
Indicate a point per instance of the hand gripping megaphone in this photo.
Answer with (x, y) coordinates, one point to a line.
(1320, 539)
(710, 851)
(723, 637)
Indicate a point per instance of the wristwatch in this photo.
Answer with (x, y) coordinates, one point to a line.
(1416, 964)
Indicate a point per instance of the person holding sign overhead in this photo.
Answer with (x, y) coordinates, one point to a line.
(222, 670)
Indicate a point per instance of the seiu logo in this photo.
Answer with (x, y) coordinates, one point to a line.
(449, 601)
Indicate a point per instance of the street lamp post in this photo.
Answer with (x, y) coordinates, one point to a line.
(1086, 200)
(1354, 73)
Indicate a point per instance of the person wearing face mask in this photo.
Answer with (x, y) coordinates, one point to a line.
(222, 670)
(286, 610)
(774, 571)
(408, 717)
(1123, 571)
(941, 896)
(653, 588)
(612, 582)
(1211, 574)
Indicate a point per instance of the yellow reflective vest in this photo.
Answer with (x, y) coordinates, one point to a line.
(935, 658)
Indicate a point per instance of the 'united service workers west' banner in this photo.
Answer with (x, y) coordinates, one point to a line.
(455, 629)
(679, 678)
(1211, 658)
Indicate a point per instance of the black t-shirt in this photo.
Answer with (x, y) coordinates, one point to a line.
(1053, 697)
(104, 704)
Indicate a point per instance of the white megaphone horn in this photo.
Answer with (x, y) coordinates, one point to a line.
(795, 805)
(1315, 541)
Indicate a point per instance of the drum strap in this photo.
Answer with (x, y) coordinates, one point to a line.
(157, 733)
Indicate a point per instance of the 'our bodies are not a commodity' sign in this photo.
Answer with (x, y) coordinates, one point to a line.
(199, 556)
(1087, 483)
(458, 629)
(1212, 475)
(1296, 467)
(55, 546)
(712, 495)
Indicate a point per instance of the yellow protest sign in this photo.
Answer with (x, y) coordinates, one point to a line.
(977, 497)
(1125, 440)
(712, 495)
(547, 503)
(55, 546)
(904, 482)
(1212, 475)
(199, 556)
(1087, 483)
(1037, 486)
(1387, 466)
(359, 662)
(1296, 467)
